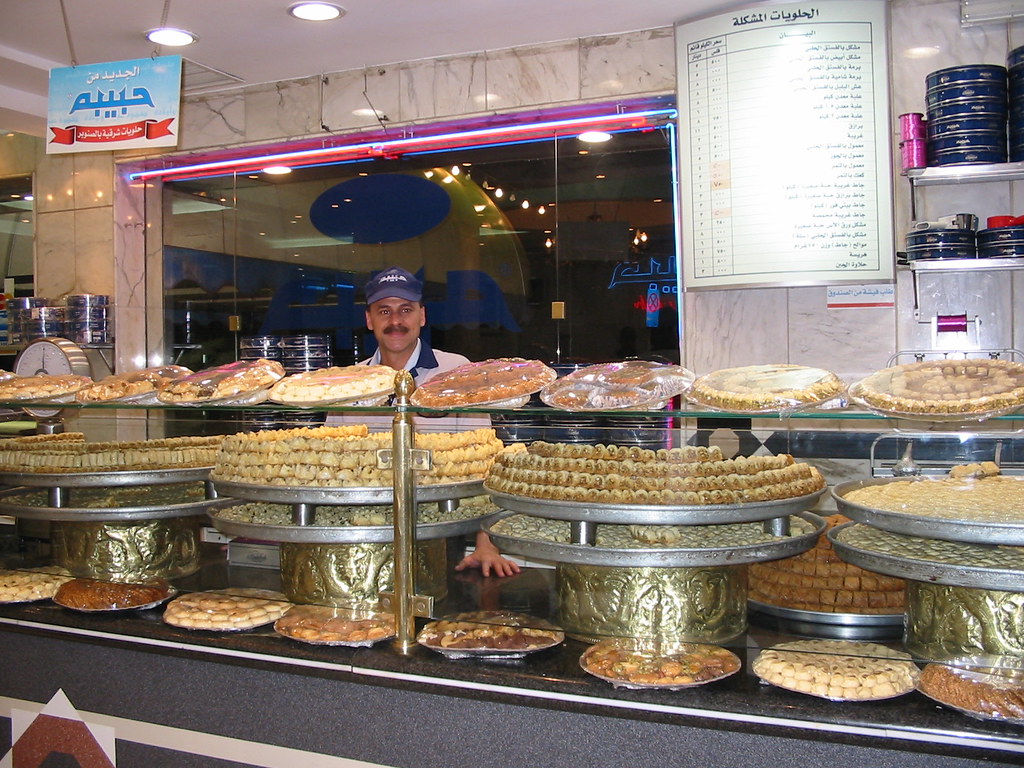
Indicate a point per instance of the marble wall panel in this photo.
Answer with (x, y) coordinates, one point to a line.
(735, 327)
(435, 88)
(55, 183)
(288, 109)
(94, 251)
(852, 342)
(215, 120)
(93, 179)
(535, 75)
(55, 253)
(130, 273)
(632, 63)
(19, 153)
(355, 99)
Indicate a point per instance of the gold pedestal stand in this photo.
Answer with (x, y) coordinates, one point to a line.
(946, 621)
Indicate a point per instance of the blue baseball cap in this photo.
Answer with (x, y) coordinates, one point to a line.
(393, 283)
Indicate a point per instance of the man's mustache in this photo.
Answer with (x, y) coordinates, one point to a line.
(397, 328)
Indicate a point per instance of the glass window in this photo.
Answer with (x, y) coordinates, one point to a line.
(554, 249)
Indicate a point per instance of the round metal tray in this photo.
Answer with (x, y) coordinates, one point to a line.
(109, 477)
(97, 514)
(655, 514)
(354, 534)
(582, 554)
(972, 531)
(841, 626)
(286, 494)
(935, 572)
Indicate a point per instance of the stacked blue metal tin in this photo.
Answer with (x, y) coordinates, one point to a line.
(967, 110)
(1015, 77)
(1001, 242)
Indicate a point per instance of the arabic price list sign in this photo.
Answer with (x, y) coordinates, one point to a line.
(785, 152)
(114, 105)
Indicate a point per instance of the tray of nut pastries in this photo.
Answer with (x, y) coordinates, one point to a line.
(637, 664)
(351, 384)
(135, 387)
(631, 384)
(233, 609)
(42, 388)
(95, 595)
(943, 390)
(765, 388)
(508, 381)
(27, 585)
(839, 670)
(982, 687)
(329, 625)
(245, 382)
(502, 635)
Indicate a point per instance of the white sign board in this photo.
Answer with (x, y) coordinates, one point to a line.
(785, 156)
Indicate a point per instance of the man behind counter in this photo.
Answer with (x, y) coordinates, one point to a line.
(395, 313)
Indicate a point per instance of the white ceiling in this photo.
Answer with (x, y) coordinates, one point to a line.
(256, 41)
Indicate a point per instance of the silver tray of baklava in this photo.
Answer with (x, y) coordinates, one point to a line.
(632, 546)
(34, 504)
(384, 494)
(998, 523)
(935, 561)
(350, 534)
(105, 478)
(656, 514)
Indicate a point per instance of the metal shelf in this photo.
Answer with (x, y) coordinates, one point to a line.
(965, 174)
(965, 265)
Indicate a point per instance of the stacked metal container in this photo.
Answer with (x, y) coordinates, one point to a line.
(1015, 129)
(967, 115)
(87, 318)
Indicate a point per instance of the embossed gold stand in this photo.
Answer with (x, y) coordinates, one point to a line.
(945, 621)
(128, 551)
(689, 604)
(354, 575)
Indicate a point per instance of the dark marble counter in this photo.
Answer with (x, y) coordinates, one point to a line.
(908, 728)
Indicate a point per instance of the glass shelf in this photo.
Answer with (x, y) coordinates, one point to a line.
(965, 174)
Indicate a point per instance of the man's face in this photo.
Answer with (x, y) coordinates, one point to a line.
(396, 323)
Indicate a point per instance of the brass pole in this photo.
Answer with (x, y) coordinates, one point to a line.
(402, 437)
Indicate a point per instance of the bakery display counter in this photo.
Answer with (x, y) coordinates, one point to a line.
(451, 709)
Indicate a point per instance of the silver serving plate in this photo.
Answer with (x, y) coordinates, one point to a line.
(291, 494)
(841, 626)
(342, 534)
(977, 577)
(9, 505)
(655, 514)
(582, 554)
(105, 478)
(971, 531)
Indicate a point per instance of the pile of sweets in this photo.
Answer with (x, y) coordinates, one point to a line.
(69, 452)
(346, 457)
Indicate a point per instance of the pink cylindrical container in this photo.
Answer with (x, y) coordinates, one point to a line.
(913, 154)
(912, 126)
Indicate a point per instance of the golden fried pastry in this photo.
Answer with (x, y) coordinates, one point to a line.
(759, 388)
(326, 625)
(483, 382)
(226, 611)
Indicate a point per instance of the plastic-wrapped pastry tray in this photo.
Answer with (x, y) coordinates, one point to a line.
(943, 390)
(838, 670)
(982, 566)
(633, 664)
(95, 596)
(532, 537)
(327, 625)
(483, 383)
(135, 387)
(233, 609)
(495, 635)
(244, 382)
(765, 388)
(334, 386)
(42, 389)
(935, 520)
(982, 687)
(631, 384)
(27, 585)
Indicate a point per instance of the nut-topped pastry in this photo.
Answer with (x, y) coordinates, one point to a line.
(334, 384)
(971, 387)
(484, 382)
(765, 388)
(243, 377)
(41, 387)
(121, 386)
(610, 386)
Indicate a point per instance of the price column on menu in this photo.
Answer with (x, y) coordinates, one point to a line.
(785, 161)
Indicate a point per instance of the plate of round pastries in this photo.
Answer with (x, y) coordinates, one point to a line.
(328, 625)
(765, 388)
(629, 663)
(26, 585)
(334, 385)
(232, 609)
(244, 382)
(489, 635)
(839, 670)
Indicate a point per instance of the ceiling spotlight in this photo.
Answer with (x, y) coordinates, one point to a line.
(171, 37)
(594, 137)
(277, 170)
(316, 11)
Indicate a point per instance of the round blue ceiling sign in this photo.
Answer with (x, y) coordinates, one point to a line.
(383, 208)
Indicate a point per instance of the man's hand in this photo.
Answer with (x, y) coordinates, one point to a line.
(488, 559)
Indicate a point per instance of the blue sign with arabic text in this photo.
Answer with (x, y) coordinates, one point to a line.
(114, 105)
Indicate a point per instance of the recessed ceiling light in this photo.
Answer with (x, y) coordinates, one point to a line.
(171, 36)
(277, 170)
(594, 137)
(316, 11)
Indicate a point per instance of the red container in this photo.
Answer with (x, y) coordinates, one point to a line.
(1000, 221)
